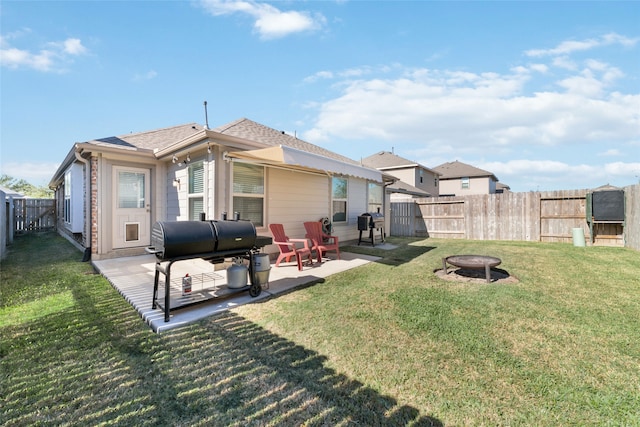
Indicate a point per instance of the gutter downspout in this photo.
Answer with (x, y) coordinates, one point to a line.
(87, 203)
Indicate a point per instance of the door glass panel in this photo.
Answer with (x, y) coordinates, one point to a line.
(131, 190)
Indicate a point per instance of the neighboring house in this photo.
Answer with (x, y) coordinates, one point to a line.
(502, 188)
(111, 191)
(415, 180)
(9, 193)
(459, 179)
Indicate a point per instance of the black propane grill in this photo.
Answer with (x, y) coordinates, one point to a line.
(370, 221)
(173, 241)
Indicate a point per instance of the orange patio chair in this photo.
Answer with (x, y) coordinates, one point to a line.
(321, 242)
(289, 247)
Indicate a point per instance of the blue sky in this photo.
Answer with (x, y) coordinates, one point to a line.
(546, 95)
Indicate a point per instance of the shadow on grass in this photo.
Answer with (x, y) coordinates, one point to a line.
(394, 257)
(95, 363)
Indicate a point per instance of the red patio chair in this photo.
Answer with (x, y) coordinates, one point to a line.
(289, 247)
(321, 242)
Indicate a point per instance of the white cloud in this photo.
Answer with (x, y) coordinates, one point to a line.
(74, 47)
(571, 46)
(33, 173)
(480, 110)
(551, 174)
(52, 58)
(439, 115)
(149, 75)
(320, 75)
(270, 22)
(610, 152)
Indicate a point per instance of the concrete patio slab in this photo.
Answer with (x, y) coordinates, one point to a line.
(133, 277)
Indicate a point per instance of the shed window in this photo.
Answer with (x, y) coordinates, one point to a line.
(339, 199)
(248, 192)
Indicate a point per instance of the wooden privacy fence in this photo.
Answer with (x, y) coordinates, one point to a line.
(533, 216)
(34, 215)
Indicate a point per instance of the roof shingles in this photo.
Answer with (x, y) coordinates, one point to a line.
(456, 169)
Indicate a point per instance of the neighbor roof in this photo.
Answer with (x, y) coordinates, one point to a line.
(11, 193)
(404, 188)
(454, 170)
(385, 160)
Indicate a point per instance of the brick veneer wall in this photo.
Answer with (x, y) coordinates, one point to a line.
(94, 204)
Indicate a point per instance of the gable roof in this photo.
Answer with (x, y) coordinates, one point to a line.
(385, 160)
(162, 142)
(454, 170)
(150, 140)
(250, 130)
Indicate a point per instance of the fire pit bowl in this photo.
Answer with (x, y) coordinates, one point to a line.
(472, 262)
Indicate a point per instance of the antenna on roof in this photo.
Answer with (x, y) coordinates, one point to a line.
(392, 150)
(206, 117)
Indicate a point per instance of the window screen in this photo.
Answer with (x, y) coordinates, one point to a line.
(339, 199)
(196, 190)
(248, 192)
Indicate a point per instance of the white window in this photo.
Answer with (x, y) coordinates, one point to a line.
(464, 182)
(131, 190)
(196, 190)
(248, 192)
(339, 199)
(67, 198)
(375, 197)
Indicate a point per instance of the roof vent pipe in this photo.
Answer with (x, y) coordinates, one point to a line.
(206, 117)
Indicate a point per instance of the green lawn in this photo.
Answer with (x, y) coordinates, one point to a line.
(388, 343)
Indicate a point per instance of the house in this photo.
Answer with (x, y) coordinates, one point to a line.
(111, 191)
(502, 188)
(460, 179)
(414, 179)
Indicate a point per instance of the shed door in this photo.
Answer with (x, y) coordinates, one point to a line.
(132, 211)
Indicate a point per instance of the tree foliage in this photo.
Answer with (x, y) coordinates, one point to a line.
(24, 187)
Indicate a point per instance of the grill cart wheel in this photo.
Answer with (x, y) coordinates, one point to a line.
(255, 290)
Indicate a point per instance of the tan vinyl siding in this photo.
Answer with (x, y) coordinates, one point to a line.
(294, 197)
(454, 186)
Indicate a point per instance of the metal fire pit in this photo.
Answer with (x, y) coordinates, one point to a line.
(472, 262)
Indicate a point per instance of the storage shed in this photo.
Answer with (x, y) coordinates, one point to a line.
(605, 209)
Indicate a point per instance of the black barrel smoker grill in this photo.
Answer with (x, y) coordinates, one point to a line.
(370, 221)
(213, 241)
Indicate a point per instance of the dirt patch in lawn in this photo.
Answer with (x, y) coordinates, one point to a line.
(468, 275)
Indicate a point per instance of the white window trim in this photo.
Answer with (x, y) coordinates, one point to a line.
(345, 200)
(262, 196)
(194, 196)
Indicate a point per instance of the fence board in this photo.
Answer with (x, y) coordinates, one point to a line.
(32, 215)
(532, 216)
(632, 217)
(443, 216)
(404, 219)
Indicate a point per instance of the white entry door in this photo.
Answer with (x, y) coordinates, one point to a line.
(132, 208)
